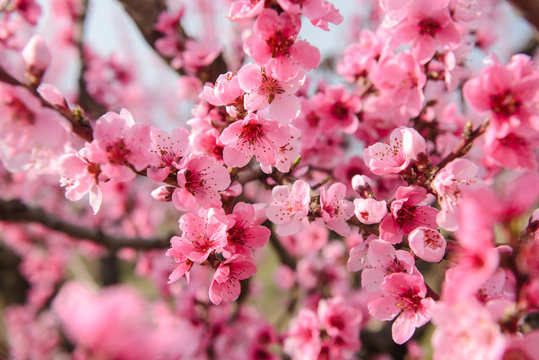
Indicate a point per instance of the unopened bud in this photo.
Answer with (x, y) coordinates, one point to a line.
(163, 193)
(36, 54)
(362, 184)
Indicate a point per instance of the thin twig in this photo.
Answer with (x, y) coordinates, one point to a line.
(17, 211)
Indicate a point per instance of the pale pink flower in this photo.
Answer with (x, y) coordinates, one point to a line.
(182, 263)
(264, 90)
(427, 244)
(242, 232)
(118, 143)
(30, 135)
(359, 59)
(449, 184)
(510, 93)
(358, 254)
(226, 280)
(200, 179)
(198, 54)
(408, 211)
(303, 339)
(335, 209)
(288, 153)
(427, 28)
(465, 331)
(403, 296)
(290, 206)
(384, 260)
(167, 151)
(274, 42)
(225, 91)
(200, 237)
(253, 135)
(401, 79)
(319, 12)
(80, 177)
(369, 211)
(243, 9)
(392, 157)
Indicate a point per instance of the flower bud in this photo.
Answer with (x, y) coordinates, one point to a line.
(163, 193)
(36, 54)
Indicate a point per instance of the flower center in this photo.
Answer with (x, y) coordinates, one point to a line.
(504, 104)
(118, 152)
(279, 44)
(251, 133)
(429, 26)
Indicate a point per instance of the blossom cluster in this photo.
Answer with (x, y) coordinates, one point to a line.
(298, 215)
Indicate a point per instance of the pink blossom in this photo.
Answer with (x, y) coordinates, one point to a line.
(408, 211)
(369, 211)
(167, 151)
(335, 209)
(339, 109)
(319, 12)
(264, 90)
(118, 143)
(427, 244)
(514, 151)
(242, 233)
(200, 179)
(200, 236)
(225, 91)
(401, 79)
(403, 296)
(449, 184)
(465, 331)
(392, 157)
(340, 320)
(359, 59)
(358, 254)
(290, 206)
(243, 9)
(303, 339)
(30, 135)
(226, 280)
(427, 28)
(182, 262)
(509, 93)
(274, 42)
(80, 177)
(384, 260)
(288, 153)
(253, 135)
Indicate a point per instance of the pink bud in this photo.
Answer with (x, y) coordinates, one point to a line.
(427, 244)
(36, 54)
(370, 211)
(163, 193)
(53, 95)
(361, 183)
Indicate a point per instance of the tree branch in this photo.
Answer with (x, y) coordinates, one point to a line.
(283, 254)
(17, 211)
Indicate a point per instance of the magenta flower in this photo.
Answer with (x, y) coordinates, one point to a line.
(303, 338)
(393, 156)
(408, 211)
(226, 280)
(403, 296)
(319, 12)
(335, 209)
(339, 109)
(264, 90)
(200, 179)
(253, 135)
(509, 93)
(119, 143)
(290, 206)
(274, 42)
(242, 233)
(200, 236)
(167, 151)
(427, 25)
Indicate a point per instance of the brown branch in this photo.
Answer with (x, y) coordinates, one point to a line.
(282, 253)
(17, 211)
